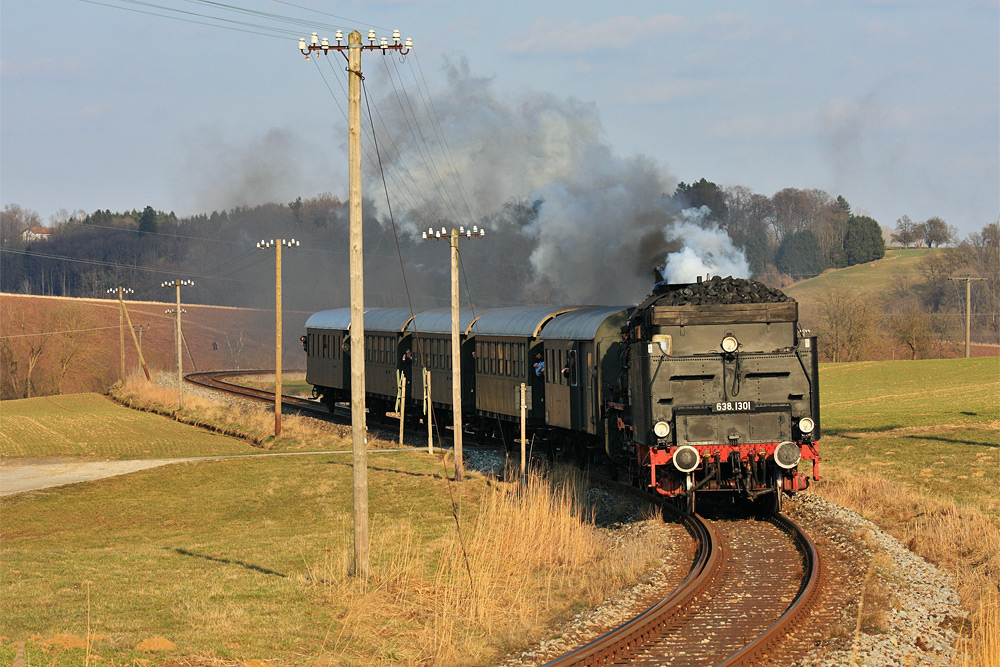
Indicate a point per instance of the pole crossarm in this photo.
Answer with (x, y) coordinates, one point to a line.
(323, 46)
(456, 360)
(277, 244)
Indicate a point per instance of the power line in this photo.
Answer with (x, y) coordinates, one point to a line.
(52, 333)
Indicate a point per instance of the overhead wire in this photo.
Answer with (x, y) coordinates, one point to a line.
(271, 32)
(336, 99)
(428, 160)
(442, 139)
(265, 26)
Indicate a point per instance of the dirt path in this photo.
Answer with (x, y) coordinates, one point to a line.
(20, 475)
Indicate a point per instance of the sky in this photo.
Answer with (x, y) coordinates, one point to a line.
(894, 104)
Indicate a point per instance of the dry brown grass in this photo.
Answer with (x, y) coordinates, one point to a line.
(960, 539)
(529, 553)
(251, 421)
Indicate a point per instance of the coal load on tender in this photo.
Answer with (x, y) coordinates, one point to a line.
(718, 290)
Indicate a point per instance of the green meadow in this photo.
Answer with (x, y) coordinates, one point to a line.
(93, 426)
(932, 424)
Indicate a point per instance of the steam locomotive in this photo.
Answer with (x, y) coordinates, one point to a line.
(709, 387)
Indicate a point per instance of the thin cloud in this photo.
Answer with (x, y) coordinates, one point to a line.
(41, 68)
(619, 32)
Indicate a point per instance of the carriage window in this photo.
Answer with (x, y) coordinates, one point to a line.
(520, 354)
(571, 362)
(506, 359)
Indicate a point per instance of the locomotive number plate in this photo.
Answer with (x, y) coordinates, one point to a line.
(733, 406)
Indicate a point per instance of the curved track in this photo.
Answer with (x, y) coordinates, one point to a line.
(747, 589)
(213, 380)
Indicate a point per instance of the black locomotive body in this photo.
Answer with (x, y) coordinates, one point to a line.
(719, 397)
(686, 393)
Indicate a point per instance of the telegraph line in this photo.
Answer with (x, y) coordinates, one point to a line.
(439, 133)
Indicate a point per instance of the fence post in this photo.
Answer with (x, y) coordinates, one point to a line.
(523, 438)
(429, 411)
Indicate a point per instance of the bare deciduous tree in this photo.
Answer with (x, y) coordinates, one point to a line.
(849, 321)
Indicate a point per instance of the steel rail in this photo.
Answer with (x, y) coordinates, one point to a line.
(211, 380)
(705, 568)
(759, 649)
(635, 633)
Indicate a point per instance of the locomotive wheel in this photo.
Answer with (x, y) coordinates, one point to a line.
(689, 500)
(777, 496)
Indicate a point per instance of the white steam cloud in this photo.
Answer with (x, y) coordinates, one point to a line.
(705, 251)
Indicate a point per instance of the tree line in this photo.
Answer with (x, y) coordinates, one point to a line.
(800, 233)
(788, 236)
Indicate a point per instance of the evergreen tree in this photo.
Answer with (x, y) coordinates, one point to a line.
(863, 241)
(800, 255)
(702, 193)
(147, 221)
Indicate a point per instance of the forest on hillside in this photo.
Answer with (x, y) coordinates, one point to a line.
(523, 259)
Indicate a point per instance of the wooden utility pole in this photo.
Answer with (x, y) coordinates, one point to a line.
(277, 244)
(121, 325)
(456, 362)
(177, 333)
(353, 48)
(137, 342)
(968, 313)
(456, 358)
(362, 566)
(121, 333)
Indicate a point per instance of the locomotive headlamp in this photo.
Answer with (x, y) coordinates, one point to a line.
(806, 425)
(787, 455)
(686, 458)
(661, 429)
(729, 344)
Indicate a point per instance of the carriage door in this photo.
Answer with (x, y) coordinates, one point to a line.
(561, 395)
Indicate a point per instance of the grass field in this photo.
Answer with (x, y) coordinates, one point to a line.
(221, 557)
(249, 559)
(244, 559)
(92, 426)
(868, 278)
(914, 446)
(933, 424)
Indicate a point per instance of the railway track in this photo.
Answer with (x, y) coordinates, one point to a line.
(214, 380)
(751, 583)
